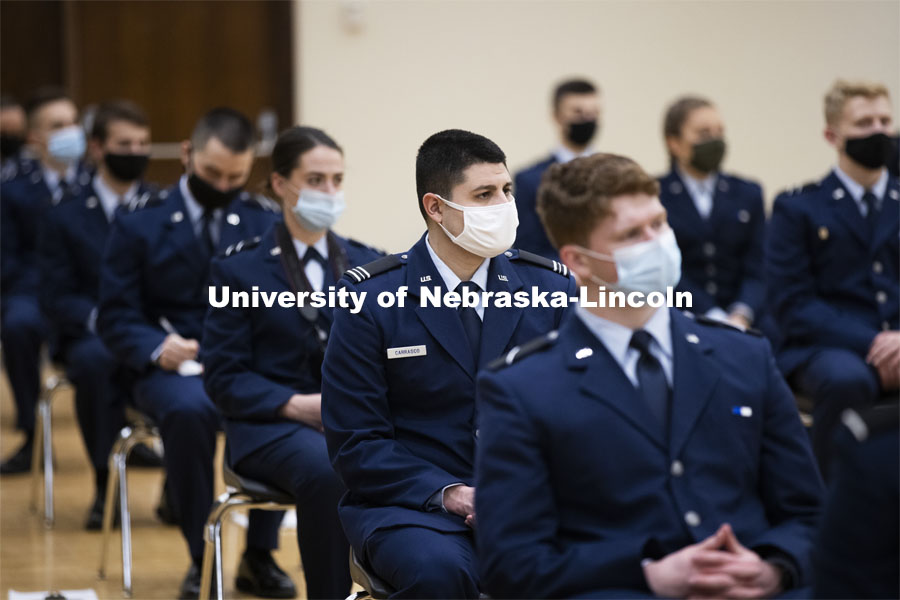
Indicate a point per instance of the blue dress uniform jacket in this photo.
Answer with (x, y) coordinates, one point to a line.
(399, 430)
(530, 235)
(831, 285)
(722, 256)
(154, 267)
(73, 238)
(575, 487)
(25, 200)
(257, 358)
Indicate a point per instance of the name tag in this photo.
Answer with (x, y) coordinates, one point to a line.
(406, 351)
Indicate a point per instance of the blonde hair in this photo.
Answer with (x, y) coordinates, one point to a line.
(842, 90)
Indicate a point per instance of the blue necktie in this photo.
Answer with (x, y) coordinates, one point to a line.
(652, 384)
(206, 234)
(469, 317)
(871, 203)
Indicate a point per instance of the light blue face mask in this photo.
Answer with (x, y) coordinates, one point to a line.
(317, 210)
(651, 266)
(67, 144)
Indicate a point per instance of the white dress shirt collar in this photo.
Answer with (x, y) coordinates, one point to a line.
(109, 199)
(857, 191)
(451, 280)
(617, 339)
(564, 155)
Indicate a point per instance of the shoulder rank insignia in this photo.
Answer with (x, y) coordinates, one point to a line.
(242, 245)
(145, 199)
(264, 202)
(376, 267)
(704, 320)
(520, 352)
(536, 259)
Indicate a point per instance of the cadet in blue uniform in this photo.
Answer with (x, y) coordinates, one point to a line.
(576, 114)
(718, 219)
(637, 450)
(834, 278)
(263, 366)
(58, 140)
(153, 299)
(857, 553)
(398, 384)
(71, 249)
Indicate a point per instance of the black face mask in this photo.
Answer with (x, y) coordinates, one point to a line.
(581, 133)
(871, 151)
(10, 145)
(893, 163)
(126, 167)
(209, 197)
(707, 156)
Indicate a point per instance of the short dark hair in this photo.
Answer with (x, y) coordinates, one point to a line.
(42, 97)
(228, 126)
(575, 196)
(116, 110)
(679, 111)
(444, 157)
(295, 142)
(8, 101)
(572, 86)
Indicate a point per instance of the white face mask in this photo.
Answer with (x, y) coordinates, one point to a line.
(317, 210)
(650, 266)
(487, 230)
(67, 144)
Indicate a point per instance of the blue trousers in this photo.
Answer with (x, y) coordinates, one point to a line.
(423, 563)
(299, 465)
(22, 332)
(835, 379)
(99, 404)
(188, 422)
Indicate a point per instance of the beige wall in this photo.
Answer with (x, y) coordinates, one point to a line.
(406, 69)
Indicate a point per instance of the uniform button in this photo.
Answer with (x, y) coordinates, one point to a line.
(711, 270)
(677, 469)
(711, 288)
(709, 249)
(881, 297)
(876, 266)
(691, 518)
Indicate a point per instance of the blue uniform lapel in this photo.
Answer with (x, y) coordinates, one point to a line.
(694, 378)
(845, 207)
(890, 215)
(604, 379)
(499, 323)
(181, 233)
(685, 201)
(443, 322)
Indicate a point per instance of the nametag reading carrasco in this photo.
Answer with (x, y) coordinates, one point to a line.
(406, 352)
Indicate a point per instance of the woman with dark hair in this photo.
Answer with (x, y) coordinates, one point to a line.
(718, 218)
(263, 365)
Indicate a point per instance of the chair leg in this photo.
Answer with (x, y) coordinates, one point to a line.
(111, 486)
(46, 422)
(125, 518)
(37, 446)
(212, 546)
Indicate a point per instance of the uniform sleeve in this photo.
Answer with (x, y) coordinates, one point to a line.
(356, 415)
(62, 299)
(17, 262)
(752, 292)
(802, 316)
(229, 378)
(518, 522)
(529, 222)
(790, 486)
(122, 319)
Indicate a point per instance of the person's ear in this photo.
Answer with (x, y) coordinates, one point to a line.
(185, 154)
(95, 150)
(831, 136)
(577, 262)
(433, 207)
